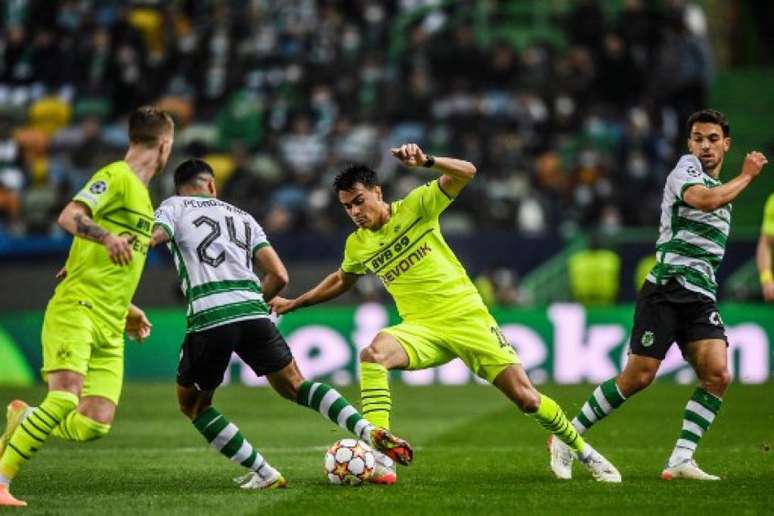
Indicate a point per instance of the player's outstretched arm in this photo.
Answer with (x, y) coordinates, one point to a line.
(455, 173)
(710, 199)
(275, 275)
(76, 220)
(332, 286)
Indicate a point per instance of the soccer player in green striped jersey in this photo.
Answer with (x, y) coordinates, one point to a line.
(443, 316)
(763, 253)
(216, 248)
(83, 328)
(677, 302)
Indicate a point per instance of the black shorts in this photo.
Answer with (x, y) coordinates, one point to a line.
(205, 355)
(671, 313)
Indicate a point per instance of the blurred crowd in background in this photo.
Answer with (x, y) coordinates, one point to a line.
(575, 124)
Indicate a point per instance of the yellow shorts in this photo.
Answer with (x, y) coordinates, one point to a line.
(74, 339)
(473, 337)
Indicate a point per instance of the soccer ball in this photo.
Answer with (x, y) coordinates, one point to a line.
(349, 462)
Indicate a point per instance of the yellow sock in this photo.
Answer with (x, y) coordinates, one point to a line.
(77, 427)
(375, 394)
(550, 416)
(34, 430)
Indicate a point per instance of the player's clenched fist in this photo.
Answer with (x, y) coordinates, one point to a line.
(753, 163)
(410, 155)
(280, 305)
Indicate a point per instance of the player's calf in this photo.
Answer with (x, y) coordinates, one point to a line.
(80, 428)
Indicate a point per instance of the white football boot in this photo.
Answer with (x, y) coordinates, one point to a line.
(686, 469)
(273, 479)
(600, 468)
(561, 458)
(384, 470)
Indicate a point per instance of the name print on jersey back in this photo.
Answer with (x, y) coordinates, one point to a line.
(213, 244)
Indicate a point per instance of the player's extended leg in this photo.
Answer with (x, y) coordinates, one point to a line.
(290, 383)
(655, 326)
(31, 432)
(638, 373)
(709, 359)
(226, 438)
(100, 393)
(515, 384)
(376, 360)
(383, 354)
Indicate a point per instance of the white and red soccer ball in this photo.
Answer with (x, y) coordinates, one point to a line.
(349, 462)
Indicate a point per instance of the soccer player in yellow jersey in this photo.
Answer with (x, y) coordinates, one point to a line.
(763, 255)
(83, 345)
(443, 314)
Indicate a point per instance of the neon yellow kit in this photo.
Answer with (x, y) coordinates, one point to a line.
(84, 321)
(443, 314)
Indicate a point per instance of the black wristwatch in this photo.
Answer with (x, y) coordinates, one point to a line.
(429, 162)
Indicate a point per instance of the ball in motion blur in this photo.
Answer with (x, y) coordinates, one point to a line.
(349, 462)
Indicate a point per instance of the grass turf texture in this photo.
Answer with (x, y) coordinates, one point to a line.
(475, 454)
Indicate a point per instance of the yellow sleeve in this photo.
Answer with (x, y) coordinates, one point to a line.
(768, 217)
(102, 192)
(349, 264)
(429, 199)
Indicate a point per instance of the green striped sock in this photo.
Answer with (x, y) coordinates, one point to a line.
(699, 414)
(605, 398)
(225, 437)
(332, 405)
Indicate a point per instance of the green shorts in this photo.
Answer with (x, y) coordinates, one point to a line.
(474, 337)
(74, 339)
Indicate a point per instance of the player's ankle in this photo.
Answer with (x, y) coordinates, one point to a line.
(678, 456)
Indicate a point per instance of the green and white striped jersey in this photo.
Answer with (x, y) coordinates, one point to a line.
(691, 243)
(213, 243)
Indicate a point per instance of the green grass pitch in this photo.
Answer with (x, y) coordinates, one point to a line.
(475, 454)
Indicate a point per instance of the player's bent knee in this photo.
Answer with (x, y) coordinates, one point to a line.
(717, 380)
(286, 389)
(528, 402)
(633, 383)
(370, 354)
(192, 408)
(644, 379)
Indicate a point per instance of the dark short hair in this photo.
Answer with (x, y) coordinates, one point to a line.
(709, 116)
(147, 124)
(353, 174)
(188, 170)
